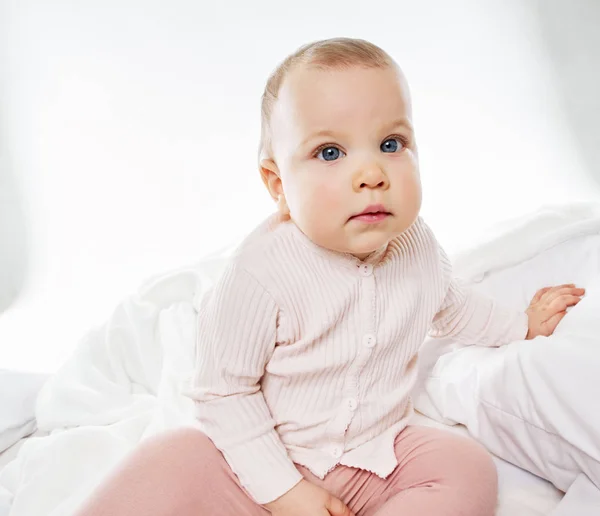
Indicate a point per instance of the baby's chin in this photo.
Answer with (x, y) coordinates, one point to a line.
(358, 244)
(366, 246)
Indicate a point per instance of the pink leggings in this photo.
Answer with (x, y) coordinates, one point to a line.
(181, 473)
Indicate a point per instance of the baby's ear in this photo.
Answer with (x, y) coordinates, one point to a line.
(272, 180)
(270, 176)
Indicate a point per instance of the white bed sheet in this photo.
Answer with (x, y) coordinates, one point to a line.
(5, 457)
(520, 492)
(9, 454)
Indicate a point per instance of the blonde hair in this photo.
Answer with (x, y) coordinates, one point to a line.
(325, 54)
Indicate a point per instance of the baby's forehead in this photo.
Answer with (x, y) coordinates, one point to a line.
(307, 75)
(317, 96)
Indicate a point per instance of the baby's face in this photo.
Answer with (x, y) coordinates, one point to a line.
(343, 143)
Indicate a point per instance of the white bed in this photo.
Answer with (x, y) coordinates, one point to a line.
(5, 457)
(8, 455)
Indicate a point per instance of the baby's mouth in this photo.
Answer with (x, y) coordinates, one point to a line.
(375, 213)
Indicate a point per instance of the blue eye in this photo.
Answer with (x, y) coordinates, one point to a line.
(391, 145)
(330, 154)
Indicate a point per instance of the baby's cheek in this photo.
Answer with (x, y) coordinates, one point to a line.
(322, 209)
(327, 199)
(406, 190)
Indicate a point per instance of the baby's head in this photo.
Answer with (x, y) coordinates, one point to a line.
(337, 141)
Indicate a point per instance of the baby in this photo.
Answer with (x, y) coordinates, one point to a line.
(308, 345)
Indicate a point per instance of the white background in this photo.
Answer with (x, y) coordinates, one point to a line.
(130, 129)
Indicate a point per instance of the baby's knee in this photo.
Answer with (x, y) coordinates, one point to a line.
(474, 477)
(186, 452)
(182, 440)
(197, 476)
(477, 462)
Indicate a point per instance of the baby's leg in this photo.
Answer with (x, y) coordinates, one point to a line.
(440, 473)
(180, 472)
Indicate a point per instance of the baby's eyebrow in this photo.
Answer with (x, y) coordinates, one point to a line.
(319, 134)
(327, 133)
(401, 122)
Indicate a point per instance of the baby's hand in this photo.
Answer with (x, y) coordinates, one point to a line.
(549, 306)
(306, 498)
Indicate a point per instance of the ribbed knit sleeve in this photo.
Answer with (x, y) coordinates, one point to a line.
(237, 329)
(472, 318)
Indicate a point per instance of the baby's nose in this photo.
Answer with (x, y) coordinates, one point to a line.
(371, 177)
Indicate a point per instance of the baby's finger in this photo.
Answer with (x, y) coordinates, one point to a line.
(338, 508)
(539, 294)
(552, 323)
(562, 291)
(561, 303)
(576, 291)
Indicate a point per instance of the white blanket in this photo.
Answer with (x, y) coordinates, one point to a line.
(18, 392)
(121, 385)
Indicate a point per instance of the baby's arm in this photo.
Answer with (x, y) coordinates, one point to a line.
(236, 337)
(237, 331)
(473, 318)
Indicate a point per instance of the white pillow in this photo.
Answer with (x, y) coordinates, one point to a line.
(533, 403)
(18, 392)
